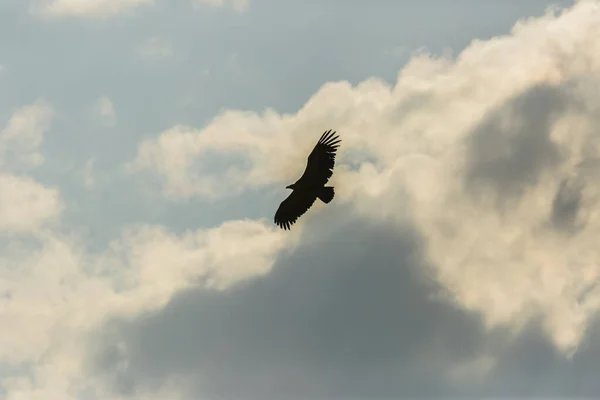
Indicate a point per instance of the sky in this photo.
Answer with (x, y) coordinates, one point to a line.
(145, 146)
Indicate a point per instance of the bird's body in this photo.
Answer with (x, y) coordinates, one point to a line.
(311, 185)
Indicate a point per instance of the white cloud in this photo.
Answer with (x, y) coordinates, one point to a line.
(237, 5)
(104, 110)
(474, 149)
(24, 134)
(202, 257)
(505, 263)
(58, 293)
(85, 8)
(26, 205)
(155, 48)
(175, 155)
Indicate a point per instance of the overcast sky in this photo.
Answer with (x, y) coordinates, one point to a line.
(146, 144)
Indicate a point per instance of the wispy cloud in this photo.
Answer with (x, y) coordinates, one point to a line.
(155, 48)
(104, 111)
(84, 8)
(237, 5)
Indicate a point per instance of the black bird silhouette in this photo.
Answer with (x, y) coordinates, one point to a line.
(311, 184)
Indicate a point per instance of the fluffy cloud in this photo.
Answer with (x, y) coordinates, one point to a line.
(463, 240)
(347, 314)
(26, 205)
(54, 291)
(206, 254)
(62, 292)
(492, 154)
(345, 302)
(208, 162)
(85, 8)
(23, 135)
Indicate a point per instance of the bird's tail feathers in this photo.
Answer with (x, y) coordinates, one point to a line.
(326, 194)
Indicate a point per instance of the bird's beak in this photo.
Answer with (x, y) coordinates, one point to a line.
(288, 187)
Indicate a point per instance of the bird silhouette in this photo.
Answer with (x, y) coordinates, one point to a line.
(311, 185)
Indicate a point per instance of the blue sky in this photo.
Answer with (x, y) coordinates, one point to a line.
(145, 146)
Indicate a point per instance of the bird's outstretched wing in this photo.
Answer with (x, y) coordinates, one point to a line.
(321, 160)
(296, 204)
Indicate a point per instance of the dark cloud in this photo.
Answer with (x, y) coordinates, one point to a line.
(566, 205)
(530, 366)
(349, 314)
(346, 314)
(512, 147)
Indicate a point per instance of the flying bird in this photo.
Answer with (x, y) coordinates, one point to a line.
(311, 185)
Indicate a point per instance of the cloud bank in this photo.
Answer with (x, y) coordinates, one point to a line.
(459, 257)
(491, 154)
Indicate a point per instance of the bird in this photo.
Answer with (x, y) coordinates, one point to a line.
(311, 185)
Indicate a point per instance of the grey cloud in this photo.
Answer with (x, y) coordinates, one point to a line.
(347, 314)
(566, 205)
(511, 148)
(350, 313)
(530, 366)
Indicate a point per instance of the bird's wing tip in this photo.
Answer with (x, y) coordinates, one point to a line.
(328, 136)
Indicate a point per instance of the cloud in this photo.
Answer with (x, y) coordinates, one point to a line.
(350, 312)
(512, 148)
(88, 174)
(85, 8)
(346, 303)
(183, 155)
(463, 240)
(24, 134)
(25, 205)
(51, 295)
(93, 178)
(104, 110)
(237, 5)
(155, 48)
(203, 255)
(51, 282)
(493, 154)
